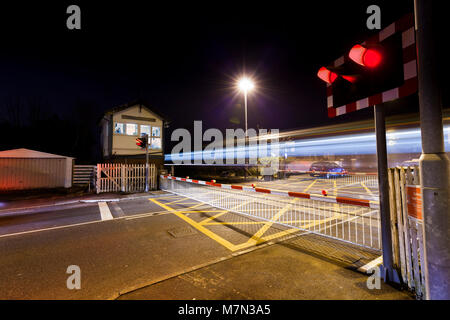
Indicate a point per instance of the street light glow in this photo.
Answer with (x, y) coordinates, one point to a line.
(246, 85)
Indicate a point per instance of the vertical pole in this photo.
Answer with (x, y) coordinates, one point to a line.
(99, 175)
(434, 162)
(123, 180)
(146, 163)
(246, 128)
(383, 183)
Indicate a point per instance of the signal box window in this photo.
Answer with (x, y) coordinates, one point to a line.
(131, 129)
(145, 129)
(119, 128)
(156, 132)
(155, 142)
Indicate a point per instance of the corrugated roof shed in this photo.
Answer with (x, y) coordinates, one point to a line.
(27, 153)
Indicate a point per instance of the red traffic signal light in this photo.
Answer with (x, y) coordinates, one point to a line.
(327, 75)
(141, 142)
(330, 77)
(369, 58)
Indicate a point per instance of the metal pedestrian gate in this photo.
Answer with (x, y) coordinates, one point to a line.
(118, 177)
(407, 227)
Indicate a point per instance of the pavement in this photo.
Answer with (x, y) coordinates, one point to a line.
(164, 246)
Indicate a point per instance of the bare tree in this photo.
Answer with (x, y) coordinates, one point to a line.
(14, 110)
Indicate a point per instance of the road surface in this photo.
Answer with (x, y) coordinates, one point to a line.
(162, 247)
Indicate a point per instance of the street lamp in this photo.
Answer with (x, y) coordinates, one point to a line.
(245, 85)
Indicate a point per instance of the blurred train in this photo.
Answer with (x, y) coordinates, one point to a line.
(351, 146)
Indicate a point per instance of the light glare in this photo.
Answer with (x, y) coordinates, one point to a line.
(246, 85)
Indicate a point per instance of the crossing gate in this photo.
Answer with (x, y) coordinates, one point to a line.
(355, 221)
(118, 177)
(407, 227)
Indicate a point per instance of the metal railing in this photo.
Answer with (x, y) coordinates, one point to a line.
(356, 224)
(369, 180)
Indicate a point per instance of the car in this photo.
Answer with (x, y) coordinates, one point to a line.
(327, 169)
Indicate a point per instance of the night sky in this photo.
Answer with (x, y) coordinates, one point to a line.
(182, 57)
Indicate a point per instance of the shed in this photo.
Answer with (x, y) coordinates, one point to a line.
(22, 169)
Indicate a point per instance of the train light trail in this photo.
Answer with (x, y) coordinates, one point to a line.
(400, 141)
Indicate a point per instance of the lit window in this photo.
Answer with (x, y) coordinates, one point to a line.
(155, 143)
(156, 131)
(119, 128)
(145, 129)
(131, 129)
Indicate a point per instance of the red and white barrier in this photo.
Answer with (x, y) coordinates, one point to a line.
(332, 199)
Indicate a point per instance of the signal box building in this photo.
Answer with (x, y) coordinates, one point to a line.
(121, 126)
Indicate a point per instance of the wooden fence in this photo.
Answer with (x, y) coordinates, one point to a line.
(407, 227)
(118, 177)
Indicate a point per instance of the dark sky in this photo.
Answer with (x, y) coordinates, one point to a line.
(183, 57)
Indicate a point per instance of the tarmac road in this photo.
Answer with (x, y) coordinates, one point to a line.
(124, 248)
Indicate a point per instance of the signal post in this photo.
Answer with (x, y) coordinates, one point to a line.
(143, 143)
(434, 162)
(381, 69)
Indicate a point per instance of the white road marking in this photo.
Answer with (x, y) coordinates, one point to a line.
(105, 213)
(371, 264)
(48, 229)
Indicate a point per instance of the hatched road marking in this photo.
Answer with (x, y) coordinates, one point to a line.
(255, 239)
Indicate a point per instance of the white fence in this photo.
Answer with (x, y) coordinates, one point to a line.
(407, 227)
(117, 177)
(356, 224)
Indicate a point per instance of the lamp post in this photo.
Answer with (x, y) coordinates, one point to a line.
(245, 85)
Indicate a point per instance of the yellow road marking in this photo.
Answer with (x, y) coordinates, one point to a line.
(367, 189)
(159, 213)
(318, 222)
(310, 185)
(171, 195)
(256, 237)
(212, 218)
(232, 223)
(180, 200)
(195, 206)
(218, 215)
(202, 211)
(280, 234)
(197, 226)
(250, 222)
